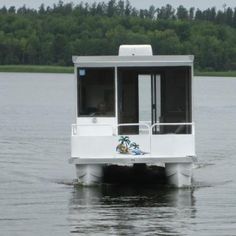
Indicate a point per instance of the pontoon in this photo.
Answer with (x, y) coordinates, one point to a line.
(134, 108)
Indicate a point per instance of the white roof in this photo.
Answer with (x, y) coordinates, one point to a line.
(133, 61)
(135, 50)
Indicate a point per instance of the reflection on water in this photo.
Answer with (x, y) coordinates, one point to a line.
(131, 210)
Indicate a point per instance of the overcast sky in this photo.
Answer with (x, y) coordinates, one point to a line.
(202, 4)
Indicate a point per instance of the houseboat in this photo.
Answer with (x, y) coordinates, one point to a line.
(131, 109)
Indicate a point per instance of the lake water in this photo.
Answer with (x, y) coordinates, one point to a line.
(36, 192)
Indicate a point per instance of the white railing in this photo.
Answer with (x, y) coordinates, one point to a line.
(147, 127)
(192, 125)
(143, 127)
(102, 139)
(75, 128)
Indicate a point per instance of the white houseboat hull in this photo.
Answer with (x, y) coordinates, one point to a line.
(178, 174)
(112, 127)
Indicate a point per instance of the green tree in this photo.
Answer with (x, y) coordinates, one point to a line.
(51, 35)
(182, 13)
(167, 12)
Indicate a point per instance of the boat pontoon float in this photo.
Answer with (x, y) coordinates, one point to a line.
(134, 108)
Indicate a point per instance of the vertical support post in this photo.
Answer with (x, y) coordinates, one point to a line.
(76, 92)
(153, 97)
(116, 100)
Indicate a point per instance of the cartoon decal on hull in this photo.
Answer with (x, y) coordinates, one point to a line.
(126, 146)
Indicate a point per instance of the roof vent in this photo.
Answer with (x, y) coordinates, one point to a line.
(135, 50)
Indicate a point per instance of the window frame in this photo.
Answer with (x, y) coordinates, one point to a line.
(113, 71)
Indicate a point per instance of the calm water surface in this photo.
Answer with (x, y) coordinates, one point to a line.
(36, 192)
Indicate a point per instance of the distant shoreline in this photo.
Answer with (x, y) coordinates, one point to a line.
(215, 73)
(36, 69)
(70, 70)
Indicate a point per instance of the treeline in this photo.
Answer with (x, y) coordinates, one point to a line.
(51, 35)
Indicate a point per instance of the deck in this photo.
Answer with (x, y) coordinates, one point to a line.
(121, 159)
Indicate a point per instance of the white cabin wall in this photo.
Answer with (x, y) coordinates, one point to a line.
(96, 121)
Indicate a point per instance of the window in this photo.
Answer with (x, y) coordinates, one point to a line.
(96, 92)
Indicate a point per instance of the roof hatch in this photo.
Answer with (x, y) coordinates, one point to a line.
(135, 50)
